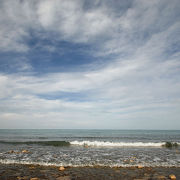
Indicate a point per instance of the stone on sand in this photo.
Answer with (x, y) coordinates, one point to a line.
(172, 176)
(10, 152)
(23, 178)
(61, 168)
(25, 151)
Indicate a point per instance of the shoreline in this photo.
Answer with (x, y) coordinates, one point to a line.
(90, 166)
(28, 171)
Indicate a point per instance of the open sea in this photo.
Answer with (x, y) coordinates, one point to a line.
(89, 147)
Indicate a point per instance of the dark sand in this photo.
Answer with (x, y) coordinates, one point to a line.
(26, 172)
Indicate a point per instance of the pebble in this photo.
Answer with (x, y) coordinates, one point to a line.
(172, 176)
(25, 151)
(62, 168)
(19, 178)
(140, 167)
(11, 152)
(23, 178)
(23, 172)
(31, 167)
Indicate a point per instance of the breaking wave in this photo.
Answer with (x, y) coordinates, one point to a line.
(117, 144)
(88, 143)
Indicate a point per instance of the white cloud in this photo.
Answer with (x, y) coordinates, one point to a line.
(139, 80)
(114, 31)
(71, 21)
(15, 17)
(120, 90)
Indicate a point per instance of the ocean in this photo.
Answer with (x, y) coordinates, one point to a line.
(89, 147)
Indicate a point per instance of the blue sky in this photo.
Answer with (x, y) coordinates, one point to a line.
(90, 64)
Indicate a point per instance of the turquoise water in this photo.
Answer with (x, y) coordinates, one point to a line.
(90, 147)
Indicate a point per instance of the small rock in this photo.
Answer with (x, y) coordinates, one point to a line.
(35, 178)
(140, 167)
(172, 176)
(19, 178)
(10, 152)
(22, 178)
(86, 146)
(43, 171)
(25, 151)
(31, 167)
(62, 168)
(17, 152)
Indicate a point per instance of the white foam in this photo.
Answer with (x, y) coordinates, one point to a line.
(116, 144)
(164, 164)
(8, 161)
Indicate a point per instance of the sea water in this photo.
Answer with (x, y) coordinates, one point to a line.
(89, 147)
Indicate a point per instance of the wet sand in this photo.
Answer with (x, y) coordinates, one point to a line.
(36, 172)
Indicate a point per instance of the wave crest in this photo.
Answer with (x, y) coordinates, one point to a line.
(116, 144)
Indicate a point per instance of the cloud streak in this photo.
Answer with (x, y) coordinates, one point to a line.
(133, 78)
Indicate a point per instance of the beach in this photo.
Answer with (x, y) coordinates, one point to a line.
(37, 172)
(88, 154)
(89, 89)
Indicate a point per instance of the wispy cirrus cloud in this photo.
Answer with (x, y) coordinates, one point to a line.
(119, 64)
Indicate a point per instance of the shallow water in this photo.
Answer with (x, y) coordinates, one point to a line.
(90, 147)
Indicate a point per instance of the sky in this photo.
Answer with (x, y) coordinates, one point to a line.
(78, 64)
